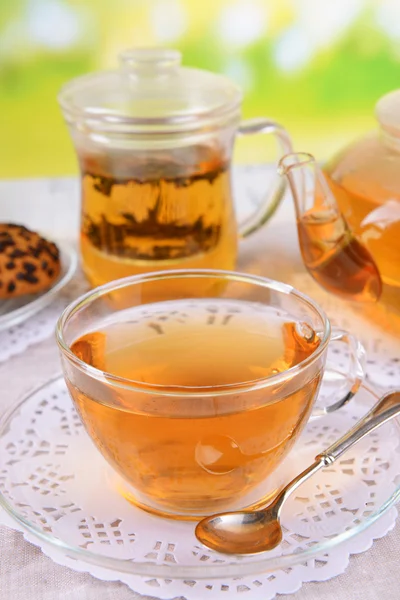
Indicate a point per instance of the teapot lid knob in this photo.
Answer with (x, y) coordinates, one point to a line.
(387, 111)
(150, 61)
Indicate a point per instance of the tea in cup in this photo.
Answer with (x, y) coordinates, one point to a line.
(196, 401)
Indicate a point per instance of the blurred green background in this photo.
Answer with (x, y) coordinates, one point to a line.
(317, 66)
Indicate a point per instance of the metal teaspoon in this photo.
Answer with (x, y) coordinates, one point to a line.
(250, 532)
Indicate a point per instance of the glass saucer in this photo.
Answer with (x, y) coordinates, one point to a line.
(59, 491)
(16, 310)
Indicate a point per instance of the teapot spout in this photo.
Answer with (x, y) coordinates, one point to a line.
(331, 253)
(310, 190)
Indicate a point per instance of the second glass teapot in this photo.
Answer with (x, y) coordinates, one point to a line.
(365, 180)
(348, 213)
(154, 142)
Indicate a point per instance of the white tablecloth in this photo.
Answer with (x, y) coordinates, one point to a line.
(26, 574)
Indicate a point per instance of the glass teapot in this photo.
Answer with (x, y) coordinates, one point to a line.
(154, 142)
(348, 213)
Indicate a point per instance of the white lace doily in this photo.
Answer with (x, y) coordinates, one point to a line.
(54, 477)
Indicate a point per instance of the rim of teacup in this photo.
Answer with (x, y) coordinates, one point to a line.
(180, 390)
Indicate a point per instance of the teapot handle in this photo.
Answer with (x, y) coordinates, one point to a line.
(272, 200)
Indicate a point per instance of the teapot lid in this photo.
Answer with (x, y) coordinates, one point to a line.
(150, 92)
(388, 112)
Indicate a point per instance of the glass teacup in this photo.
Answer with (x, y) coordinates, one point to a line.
(196, 401)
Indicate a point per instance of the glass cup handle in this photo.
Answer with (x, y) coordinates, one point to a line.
(355, 372)
(274, 197)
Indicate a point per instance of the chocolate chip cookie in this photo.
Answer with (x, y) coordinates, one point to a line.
(28, 263)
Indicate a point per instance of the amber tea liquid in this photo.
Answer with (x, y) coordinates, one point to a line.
(156, 215)
(375, 221)
(183, 454)
(335, 257)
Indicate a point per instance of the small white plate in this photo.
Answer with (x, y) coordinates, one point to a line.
(16, 310)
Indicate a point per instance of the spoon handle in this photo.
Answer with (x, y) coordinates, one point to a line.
(387, 408)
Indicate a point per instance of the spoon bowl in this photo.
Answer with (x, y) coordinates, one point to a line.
(241, 532)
